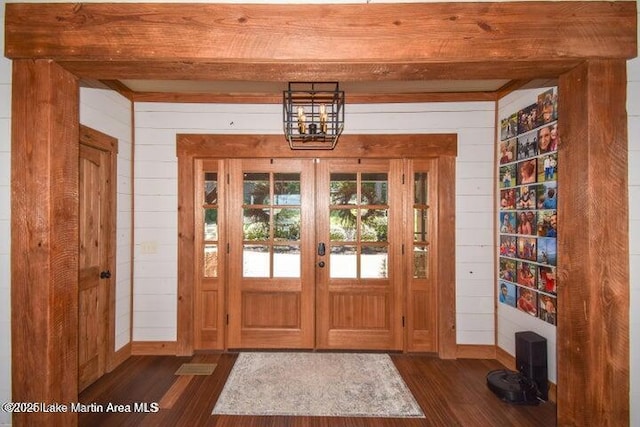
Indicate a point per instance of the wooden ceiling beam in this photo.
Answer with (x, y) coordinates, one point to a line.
(308, 71)
(329, 35)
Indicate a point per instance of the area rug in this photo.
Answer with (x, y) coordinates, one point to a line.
(196, 369)
(316, 384)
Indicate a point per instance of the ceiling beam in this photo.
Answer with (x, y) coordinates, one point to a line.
(347, 41)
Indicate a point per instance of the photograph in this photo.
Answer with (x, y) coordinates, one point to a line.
(508, 176)
(527, 301)
(546, 107)
(508, 246)
(547, 308)
(527, 172)
(545, 143)
(547, 251)
(548, 167)
(507, 294)
(507, 151)
(528, 118)
(526, 248)
(526, 274)
(547, 223)
(508, 199)
(548, 195)
(508, 222)
(527, 146)
(526, 223)
(526, 197)
(547, 279)
(509, 127)
(508, 269)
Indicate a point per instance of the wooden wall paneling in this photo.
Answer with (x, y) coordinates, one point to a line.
(446, 264)
(186, 277)
(593, 247)
(475, 32)
(44, 238)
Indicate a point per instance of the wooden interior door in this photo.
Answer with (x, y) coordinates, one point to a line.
(359, 280)
(95, 275)
(271, 253)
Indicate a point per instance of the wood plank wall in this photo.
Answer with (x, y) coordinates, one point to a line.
(156, 197)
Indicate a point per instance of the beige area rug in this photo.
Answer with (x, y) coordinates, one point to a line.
(316, 384)
(196, 369)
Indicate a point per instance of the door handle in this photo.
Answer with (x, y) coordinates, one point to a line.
(105, 274)
(321, 264)
(321, 249)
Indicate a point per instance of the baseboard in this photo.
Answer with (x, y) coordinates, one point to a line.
(469, 351)
(505, 358)
(153, 348)
(119, 356)
(509, 362)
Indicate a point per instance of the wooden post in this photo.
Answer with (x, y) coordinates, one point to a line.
(593, 246)
(44, 239)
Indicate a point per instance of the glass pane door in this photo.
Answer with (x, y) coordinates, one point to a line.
(271, 254)
(357, 204)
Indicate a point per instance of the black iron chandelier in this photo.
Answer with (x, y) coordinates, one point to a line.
(313, 115)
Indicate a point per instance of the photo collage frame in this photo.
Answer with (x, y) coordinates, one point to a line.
(528, 185)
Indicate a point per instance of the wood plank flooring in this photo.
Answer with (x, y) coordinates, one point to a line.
(450, 392)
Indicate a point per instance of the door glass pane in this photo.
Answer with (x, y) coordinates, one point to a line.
(286, 261)
(286, 189)
(210, 261)
(343, 189)
(210, 188)
(343, 225)
(256, 224)
(421, 262)
(344, 262)
(374, 188)
(374, 225)
(421, 225)
(420, 188)
(255, 261)
(374, 262)
(256, 189)
(211, 224)
(286, 224)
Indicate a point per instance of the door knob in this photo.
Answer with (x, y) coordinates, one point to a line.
(105, 274)
(321, 264)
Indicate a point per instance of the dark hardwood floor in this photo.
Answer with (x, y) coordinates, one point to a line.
(450, 392)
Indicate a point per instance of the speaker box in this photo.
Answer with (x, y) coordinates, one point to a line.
(531, 360)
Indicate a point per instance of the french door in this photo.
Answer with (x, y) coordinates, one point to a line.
(316, 254)
(311, 259)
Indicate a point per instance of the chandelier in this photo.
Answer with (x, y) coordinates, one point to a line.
(313, 115)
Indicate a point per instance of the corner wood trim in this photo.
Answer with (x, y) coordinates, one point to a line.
(509, 362)
(153, 348)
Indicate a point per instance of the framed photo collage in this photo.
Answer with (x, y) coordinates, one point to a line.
(528, 173)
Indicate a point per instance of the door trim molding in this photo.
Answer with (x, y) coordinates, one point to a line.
(440, 146)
